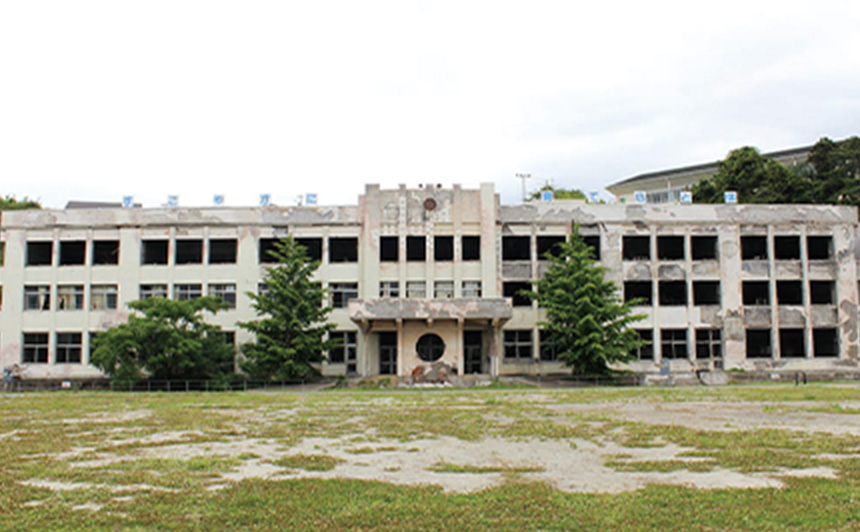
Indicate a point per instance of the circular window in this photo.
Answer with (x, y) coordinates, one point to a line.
(430, 348)
(430, 204)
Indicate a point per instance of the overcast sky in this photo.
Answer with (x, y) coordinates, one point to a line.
(101, 99)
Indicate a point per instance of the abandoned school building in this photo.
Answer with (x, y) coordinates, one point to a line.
(419, 275)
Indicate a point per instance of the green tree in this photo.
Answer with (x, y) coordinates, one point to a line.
(291, 331)
(166, 340)
(9, 203)
(834, 171)
(559, 193)
(587, 324)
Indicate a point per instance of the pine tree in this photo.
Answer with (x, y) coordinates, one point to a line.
(291, 332)
(587, 324)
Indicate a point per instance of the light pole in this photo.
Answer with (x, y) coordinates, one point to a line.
(524, 177)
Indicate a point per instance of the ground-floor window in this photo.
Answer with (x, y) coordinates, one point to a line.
(673, 343)
(709, 344)
(34, 348)
(518, 344)
(644, 352)
(68, 348)
(825, 343)
(346, 347)
(758, 343)
(547, 347)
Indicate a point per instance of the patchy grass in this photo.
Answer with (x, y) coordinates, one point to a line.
(309, 462)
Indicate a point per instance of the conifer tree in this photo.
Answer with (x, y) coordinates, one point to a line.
(587, 324)
(291, 331)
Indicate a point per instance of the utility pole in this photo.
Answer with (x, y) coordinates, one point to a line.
(524, 177)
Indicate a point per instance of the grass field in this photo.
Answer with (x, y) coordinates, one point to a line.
(772, 457)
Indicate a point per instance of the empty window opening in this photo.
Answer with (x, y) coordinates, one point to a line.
(706, 293)
(638, 290)
(73, 253)
(471, 247)
(416, 248)
(756, 293)
(789, 293)
(548, 350)
(2, 253)
(430, 347)
(786, 247)
(229, 338)
(105, 252)
(709, 344)
(416, 289)
(39, 253)
(222, 250)
(443, 248)
(343, 249)
(103, 297)
(187, 292)
(673, 343)
(636, 247)
(758, 343)
(670, 247)
(825, 343)
(443, 290)
(389, 249)
(189, 251)
(791, 344)
(153, 252)
(471, 288)
(518, 344)
(153, 290)
(819, 247)
(703, 247)
(516, 291)
(313, 247)
(549, 245)
(68, 349)
(516, 248)
(224, 291)
(346, 347)
(645, 352)
(754, 247)
(673, 293)
(263, 290)
(34, 348)
(267, 247)
(70, 297)
(37, 297)
(389, 289)
(593, 241)
(822, 292)
(341, 293)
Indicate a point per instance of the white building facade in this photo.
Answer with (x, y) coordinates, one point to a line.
(429, 275)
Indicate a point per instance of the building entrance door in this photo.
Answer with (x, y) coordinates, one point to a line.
(473, 351)
(388, 353)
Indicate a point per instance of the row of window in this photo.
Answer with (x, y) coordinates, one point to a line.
(106, 296)
(519, 248)
(705, 247)
(674, 293)
(708, 343)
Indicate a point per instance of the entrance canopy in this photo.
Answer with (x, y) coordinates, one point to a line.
(492, 309)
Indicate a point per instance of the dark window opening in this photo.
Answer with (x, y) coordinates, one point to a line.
(548, 351)
(344, 249)
(154, 252)
(516, 248)
(549, 244)
(706, 293)
(514, 291)
(68, 350)
(825, 343)
(389, 249)
(267, 247)
(821, 292)
(416, 248)
(756, 293)
(703, 247)
(345, 349)
(708, 344)
(35, 348)
(754, 247)
(673, 293)
(222, 250)
(471, 247)
(640, 290)
(646, 352)
(443, 248)
(789, 293)
(430, 347)
(636, 248)
(670, 247)
(341, 293)
(819, 247)
(313, 247)
(105, 252)
(73, 253)
(673, 343)
(593, 241)
(387, 353)
(786, 247)
(791, 344)
(758, 343)
(518, 344)
(39, 253)
(189, 251)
